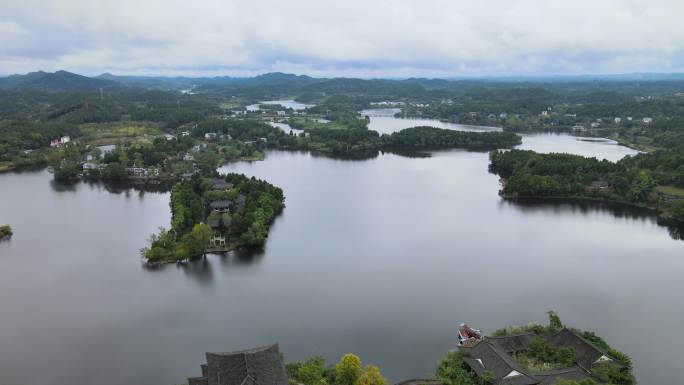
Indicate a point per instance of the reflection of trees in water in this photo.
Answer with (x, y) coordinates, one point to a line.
(409, 153)
(113, 187)
(198, 270)
(201, 269)
(676, 232)
(617, 210)
(247, 255)
(349, 158)
(63, 186)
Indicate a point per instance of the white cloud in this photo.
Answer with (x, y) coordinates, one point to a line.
(351, 37)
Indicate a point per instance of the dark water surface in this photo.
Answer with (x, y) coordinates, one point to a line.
(381, 257)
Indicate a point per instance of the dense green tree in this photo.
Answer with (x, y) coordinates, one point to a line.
(417, 138)
(348, 370)
(67, 171)
(115, 172)
(609, 373)
(452, 370)
(201, 234)
(554, 320)
(371, 376)
(312, 371)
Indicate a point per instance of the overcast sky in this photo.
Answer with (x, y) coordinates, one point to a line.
(366, 38)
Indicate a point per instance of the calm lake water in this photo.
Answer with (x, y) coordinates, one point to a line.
(285, 103)
(384, 122)
(382, 257)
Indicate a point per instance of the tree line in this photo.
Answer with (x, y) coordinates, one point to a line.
(633, 179)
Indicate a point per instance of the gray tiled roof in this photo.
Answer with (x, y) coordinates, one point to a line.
(585, 353)
(220, 184)
(220, 204)
(257, 366)
(512, 343)
(485, 356)
(550, 377)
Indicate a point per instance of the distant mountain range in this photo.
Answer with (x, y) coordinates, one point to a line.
(67, 81)
(56, 81)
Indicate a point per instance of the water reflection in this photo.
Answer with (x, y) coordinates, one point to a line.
(113, 187)
(676, 232)
(569, 206)
(201, 269)
(198, 270)
(63, 186)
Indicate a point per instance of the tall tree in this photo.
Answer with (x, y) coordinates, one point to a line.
(348, 369)
(202, 233)
(371, 376)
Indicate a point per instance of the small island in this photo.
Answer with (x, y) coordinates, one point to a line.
(5, 232)
(433, 138)
(215, 215)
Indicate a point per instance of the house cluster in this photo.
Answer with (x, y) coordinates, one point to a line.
(132, 172)
(215, 136)
(388, 103)
(219, 218)
(257, 366)
(59, 142)
(495, 355)
(142, 172)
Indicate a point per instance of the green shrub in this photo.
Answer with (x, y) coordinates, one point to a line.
(609, 373)
(452, 370)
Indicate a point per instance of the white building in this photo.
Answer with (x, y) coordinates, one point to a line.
(90, 166)
(618, 120)
(647, 120)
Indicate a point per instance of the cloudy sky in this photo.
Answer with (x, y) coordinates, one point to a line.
(366, 38)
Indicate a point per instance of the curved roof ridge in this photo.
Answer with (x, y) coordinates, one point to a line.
(511, 335)
(246, 351)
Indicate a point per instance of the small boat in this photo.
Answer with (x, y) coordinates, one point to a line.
(468, 336)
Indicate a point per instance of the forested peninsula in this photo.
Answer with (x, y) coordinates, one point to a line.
(653, 180)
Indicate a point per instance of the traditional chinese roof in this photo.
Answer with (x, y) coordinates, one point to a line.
(220, 184)
(220, 205)
(486, 356)
(551, 376)
(512, 343)
(586, 354)
(257, 366)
